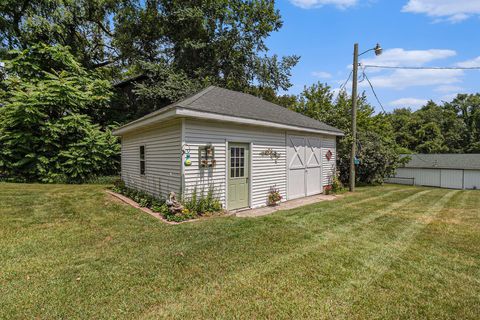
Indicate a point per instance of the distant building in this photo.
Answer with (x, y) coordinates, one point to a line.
(453, 171)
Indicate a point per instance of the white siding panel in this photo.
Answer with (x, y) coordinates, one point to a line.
(423, 177)
(472, 179)
(451, 179)
(265, 172)
(328, 166)
(427, 177)
(162, 159)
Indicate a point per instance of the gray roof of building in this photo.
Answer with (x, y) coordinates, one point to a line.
(444, 161)
(237, 104)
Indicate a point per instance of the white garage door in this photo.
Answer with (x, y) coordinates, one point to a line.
(427, 177)
(304, 166)
(452, 179)
(472, 179)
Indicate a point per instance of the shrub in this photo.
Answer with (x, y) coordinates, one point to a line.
(102, 180)
(48, 131)
(337, 185)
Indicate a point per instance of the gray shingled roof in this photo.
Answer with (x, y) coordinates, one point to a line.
(444, 161)
(237, 104)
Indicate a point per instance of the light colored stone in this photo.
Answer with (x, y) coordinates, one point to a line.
(291, 204)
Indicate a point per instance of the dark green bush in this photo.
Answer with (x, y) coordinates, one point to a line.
(47, 127)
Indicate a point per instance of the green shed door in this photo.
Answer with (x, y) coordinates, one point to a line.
(238, 175)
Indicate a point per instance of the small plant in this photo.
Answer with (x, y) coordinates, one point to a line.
(119, 186)
(274, 196)
(202, 204)
(328, 189)
(337, 185)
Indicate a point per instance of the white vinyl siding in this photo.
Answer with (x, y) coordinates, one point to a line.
(443, 178)
(329, 166)
(162, 159)
(422, 177)
(472, 179)
(264, 171)
(451, 179)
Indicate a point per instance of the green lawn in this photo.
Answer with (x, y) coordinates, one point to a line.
(385, 252)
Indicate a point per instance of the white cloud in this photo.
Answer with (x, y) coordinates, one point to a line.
(448, 89)
(448, 97)
(408, 102)
(321, 74)
(450, 10)
(470, 63)
(401, 57)
(308, 4)
(401, 79)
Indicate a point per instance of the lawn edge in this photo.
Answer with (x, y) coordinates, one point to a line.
(156, 215)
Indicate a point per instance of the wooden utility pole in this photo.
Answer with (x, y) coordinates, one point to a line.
(354, 116)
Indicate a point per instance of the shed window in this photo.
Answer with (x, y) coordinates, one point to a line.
(142, 160)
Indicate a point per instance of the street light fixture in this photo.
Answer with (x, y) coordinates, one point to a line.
(378, 51)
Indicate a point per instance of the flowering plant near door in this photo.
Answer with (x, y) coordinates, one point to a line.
(274, 196)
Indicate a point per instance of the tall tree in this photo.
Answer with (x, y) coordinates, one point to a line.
(377, 151)
(467, 108)
(83, 25)
(46, 129)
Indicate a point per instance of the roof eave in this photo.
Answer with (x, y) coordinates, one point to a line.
(170, 113)
(166, 114)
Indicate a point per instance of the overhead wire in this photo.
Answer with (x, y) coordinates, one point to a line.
(420, 68)
(374, 93)
(342, 87)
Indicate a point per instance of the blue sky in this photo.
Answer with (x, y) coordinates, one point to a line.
(411, 32)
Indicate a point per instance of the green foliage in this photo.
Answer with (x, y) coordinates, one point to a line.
(185, 44)
(453, 127)
(202, 203)
(83, 25)
(337, 185)
(377, 150)
(102, 180)
(196, 205)
(46, 128)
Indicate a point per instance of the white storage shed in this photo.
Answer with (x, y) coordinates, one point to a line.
(453, 171)
(236, 144)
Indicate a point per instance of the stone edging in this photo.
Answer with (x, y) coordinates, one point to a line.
(147, 210)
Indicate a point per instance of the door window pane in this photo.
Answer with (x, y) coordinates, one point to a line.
(237, 162)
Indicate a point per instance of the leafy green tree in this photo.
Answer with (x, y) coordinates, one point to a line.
(190, 44)
(377, 151)
(467, 107)
(451, 127)
(46, 129)
(82, 25)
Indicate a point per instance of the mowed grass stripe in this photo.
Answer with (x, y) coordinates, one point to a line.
(252, 274)
(377, 264)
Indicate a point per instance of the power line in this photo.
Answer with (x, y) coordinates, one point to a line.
(420, 68)
(345, 83)
(374, 93)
